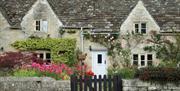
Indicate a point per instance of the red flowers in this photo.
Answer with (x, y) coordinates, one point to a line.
(61, 71)
(90, 73)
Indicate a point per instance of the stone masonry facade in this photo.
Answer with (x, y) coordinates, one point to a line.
(49, 84)
(18, 19)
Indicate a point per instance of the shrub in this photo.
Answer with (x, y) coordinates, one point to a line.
(26, 73)
(126, 73)
(59, 72)
(62, 50)
(16, 59)
(162, 74)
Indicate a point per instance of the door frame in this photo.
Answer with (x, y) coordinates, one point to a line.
(104, 60)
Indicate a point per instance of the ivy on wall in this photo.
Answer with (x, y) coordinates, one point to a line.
(62, 50)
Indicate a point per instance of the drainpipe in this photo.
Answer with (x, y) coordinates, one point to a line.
(82, 39)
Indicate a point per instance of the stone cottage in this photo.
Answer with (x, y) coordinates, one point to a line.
(20, 19)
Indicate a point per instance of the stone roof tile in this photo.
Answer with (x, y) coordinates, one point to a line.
(98, 13)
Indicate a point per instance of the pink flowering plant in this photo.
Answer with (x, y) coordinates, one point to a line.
(57, 71)
(60, 72)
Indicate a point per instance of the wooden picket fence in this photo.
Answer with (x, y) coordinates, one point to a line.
(105, 83)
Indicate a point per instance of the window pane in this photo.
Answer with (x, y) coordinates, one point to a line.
(136, 28)
(135, 63)
(99, 58)
(48, 56)
(38, 28)
(41, 56)
(143, 25)
(149, 57)
(136, 25)
(143, 31)
(135, 57)
(38, 25)
(142, 63)
(142, 57)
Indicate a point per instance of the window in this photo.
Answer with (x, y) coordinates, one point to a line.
(99, 58)
(44, 56)
(48, 57)
(149, 59)
(140, 28)
(42, 25)
(135, 59)
(136, 28)
(41, 55)
(143, 28)
(37, 25)
(142, 60)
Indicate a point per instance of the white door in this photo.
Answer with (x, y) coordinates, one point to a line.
(99, 62)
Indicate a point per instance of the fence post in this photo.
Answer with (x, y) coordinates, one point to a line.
(105, 83)
(80, 83)
(90, 84)
(95, 83)
(85, 83)
(115, 83)
(100, 83)
(75, 83)
(110, 83)
(72, 83)
(120, 87)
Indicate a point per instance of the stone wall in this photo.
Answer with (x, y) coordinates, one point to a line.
(33, 84)
(137, 85)
(49, 84)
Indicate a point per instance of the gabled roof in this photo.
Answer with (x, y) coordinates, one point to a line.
(96, 13)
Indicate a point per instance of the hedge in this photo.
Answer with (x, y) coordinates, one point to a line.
(162, 74)
(62, 50)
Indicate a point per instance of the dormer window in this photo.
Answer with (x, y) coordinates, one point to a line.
(140, 28)
(42, 25)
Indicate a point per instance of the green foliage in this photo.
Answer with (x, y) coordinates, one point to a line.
(6, 72)
(25, 73)
(165, 49)
(62, 50)
(126, 73)
(168, 64)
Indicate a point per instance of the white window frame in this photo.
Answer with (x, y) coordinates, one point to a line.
(139, 27)
(150, 60)
(42, 26)
(139, 59)
(44, 54)
(135, 60)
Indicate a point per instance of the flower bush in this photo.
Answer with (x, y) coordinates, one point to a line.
(61, 71)
(17, 59)
(58, 72)
(89, 73)
(82, 70)
(160, 74)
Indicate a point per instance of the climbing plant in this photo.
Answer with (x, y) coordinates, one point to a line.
(167, 49)
(62, 50)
